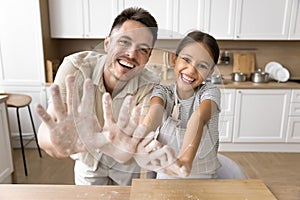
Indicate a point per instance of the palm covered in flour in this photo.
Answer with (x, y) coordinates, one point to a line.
(76, 128)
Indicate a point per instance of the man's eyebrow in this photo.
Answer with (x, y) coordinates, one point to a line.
(129, 38)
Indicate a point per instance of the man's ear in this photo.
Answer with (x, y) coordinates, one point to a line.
(106, 43)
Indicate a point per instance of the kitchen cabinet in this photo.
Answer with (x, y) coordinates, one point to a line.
(240, 19)
(188, 15)
(162, 11)
(6, 164)
(81, 18)
(261, 115)
(21, 47)
(22, 68)
(225, 20)
(294, 31)
(226, 116)
(212, 16)
(293, 131)
(220, 18)
(262, 19)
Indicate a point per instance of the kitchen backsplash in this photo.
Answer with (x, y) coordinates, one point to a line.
(285, 52)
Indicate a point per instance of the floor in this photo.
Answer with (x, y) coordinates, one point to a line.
(279, 171)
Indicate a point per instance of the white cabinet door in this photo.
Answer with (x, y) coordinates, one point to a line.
(162, 11)
(6, 164)
(212, 16)
(293, 129)
(227, 101)
(294, 118)
(295, 21)
(261, 115)
(21, 47)
(263, 19)
(66, 18)
(101, 14)
(220, 18)
(188, 15)
(226, 115)
(225, 128)
(81, 18)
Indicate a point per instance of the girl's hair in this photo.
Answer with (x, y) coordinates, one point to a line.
(206, 39)
(137, 14)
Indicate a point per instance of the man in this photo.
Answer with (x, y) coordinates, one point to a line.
(69, 126)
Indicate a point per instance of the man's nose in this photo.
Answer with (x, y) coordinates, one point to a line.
(131, 52)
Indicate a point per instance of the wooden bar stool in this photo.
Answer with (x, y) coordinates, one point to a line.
(19, 101)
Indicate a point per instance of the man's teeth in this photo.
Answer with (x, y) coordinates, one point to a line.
(126, 64)
(187, 79)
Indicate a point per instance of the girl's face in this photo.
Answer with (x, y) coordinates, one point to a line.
(192, 66)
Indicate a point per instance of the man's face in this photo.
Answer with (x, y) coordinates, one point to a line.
(128, 49)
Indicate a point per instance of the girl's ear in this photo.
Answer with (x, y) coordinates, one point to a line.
(106, 43)
(173, 59)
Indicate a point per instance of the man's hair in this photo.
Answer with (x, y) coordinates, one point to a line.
(137, 14)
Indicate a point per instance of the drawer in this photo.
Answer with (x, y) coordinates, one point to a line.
(295, 96)
(295, 109)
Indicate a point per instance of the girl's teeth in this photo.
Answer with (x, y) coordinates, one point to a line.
(186, 78)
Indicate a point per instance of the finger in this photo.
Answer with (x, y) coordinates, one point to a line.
(162, 151)
(183, 171)
(45, 117)
(139, 133)
(170, 154)
(154, 145)
(169, 157)
(88, 99)
(155, 163)
(147, 139)
(133, 122)
(58, 104)
(107, 109)
(173, 170)
(163, 160)
(125, 112)
(70, 88)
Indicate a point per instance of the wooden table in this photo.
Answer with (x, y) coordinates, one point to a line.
(142, 189)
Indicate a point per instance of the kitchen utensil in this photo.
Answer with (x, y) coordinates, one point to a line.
(238, 77)
(216, 79)
(282, 75)
(259, 76)
(277, 71)
(271, 66)
(244, 62)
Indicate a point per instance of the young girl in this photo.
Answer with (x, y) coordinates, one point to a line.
(190, 109)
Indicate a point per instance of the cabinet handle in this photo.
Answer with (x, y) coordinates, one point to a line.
(240, 92)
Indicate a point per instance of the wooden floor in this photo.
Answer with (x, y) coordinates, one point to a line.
(279, 171)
